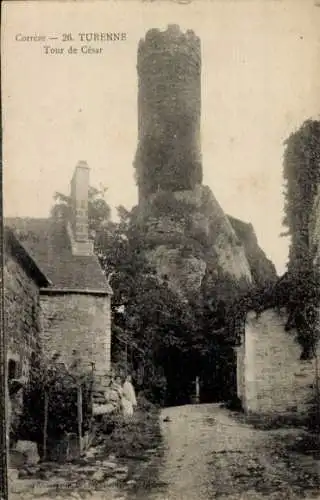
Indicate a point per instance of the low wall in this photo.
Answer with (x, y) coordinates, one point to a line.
(272, 380)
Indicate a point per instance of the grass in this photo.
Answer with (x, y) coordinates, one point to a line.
(132, 439)
(131, 442)
(308, 444)
(269, 422)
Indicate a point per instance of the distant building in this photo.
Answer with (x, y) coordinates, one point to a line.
(57, 299)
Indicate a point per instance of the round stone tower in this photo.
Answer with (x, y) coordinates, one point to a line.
(169, 109)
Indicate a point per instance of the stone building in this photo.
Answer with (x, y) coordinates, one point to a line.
(272, 380)
(66, 305)
(23, 280)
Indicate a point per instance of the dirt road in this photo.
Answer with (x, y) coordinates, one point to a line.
(209, 453)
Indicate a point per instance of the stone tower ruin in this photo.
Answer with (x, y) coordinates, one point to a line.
(187, 234)
(169, 110)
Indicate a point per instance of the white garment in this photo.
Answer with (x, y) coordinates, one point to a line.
(128, 399)
(128, 393)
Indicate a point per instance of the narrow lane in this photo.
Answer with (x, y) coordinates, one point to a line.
(209, 453)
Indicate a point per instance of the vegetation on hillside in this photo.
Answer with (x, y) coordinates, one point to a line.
(301, 170)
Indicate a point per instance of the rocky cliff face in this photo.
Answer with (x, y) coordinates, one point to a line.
(187, 235)
(262, 269)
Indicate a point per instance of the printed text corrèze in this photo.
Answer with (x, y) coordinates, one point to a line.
(70, 37)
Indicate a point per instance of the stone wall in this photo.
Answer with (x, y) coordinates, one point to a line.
(272, 380)
(75, 321)
(21, 306)
(21, 319)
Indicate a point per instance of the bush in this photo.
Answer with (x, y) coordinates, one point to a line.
(165, 203)
(131, 439)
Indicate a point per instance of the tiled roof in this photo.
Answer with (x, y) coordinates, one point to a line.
(13, 246)
(47, 242)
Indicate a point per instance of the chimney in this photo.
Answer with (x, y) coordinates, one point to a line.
(78, 226)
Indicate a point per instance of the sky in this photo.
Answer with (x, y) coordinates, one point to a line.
(260, 81)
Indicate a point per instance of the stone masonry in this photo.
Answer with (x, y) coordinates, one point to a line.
(272, 380)
(80, 322)
(169, 110)
(21, 303)
(22, 281)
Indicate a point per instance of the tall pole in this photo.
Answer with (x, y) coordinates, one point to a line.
(4, 427)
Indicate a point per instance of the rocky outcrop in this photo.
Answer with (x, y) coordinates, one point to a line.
(262, 269)
(187, 234)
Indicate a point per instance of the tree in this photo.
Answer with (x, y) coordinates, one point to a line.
(301, 170)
